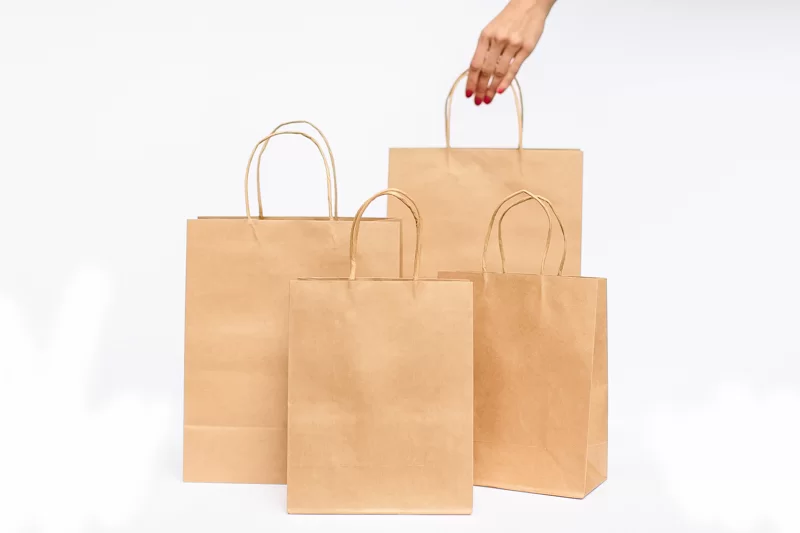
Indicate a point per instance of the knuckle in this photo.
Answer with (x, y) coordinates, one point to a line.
(502, 38)
(475, 66)
(527, 47)
(500, 73)
(516, 39)
(487, 70)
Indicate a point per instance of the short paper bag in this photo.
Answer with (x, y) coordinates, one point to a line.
(380, 392)
(457, 187)
(541, 377)
(237, 292)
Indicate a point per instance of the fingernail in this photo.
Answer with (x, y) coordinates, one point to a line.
(487, 100)
(469, 93)
(477, 101)
(500, 90)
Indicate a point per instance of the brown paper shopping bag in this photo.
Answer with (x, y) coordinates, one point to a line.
(456, 187)
(541, 377)
(380, 391)
(237, 292)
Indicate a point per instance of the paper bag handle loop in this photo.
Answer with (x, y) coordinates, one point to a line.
(412, 206)
(448, 103)
(560, 225)
(528, 196)
(250, 162)
(330, 156)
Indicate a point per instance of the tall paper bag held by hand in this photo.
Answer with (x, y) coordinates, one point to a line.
(541, 376)
(380, 391)
(456, 187)
(237, 292)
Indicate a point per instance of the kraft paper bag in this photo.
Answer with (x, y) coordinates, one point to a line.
(237, 295)
(380, 392)
(456, 187)
(541, 377)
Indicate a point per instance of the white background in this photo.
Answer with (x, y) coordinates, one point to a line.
(120, 120)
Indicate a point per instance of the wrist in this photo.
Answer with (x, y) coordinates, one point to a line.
(535, 6)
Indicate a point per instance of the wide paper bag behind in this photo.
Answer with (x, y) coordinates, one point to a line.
(456, 188)
(237, 296)
(380, 394)
(541, 380)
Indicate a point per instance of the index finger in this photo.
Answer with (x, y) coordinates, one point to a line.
(521, 55)
(477, 62)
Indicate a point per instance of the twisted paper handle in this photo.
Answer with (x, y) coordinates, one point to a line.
(250, 162)
(412, 206)
(528, 196)
(330, 156)
(515, 89)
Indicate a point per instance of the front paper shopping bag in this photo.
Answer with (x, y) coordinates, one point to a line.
(380, 392)
(541, 378)
(457, 187)
(237, 293)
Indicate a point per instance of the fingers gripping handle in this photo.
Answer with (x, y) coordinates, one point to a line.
(515, 89)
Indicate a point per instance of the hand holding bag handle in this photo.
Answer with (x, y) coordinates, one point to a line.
(515, 89)
(406, 199)
(330, 156)
(250, 162)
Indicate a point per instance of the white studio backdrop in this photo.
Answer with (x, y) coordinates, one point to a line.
(120, 120)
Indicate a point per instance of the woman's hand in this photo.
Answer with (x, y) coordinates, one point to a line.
(504, 44)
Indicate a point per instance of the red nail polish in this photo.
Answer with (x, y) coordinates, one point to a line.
(500, 90)
(487, 100)
(469, 93)
(477, 101)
